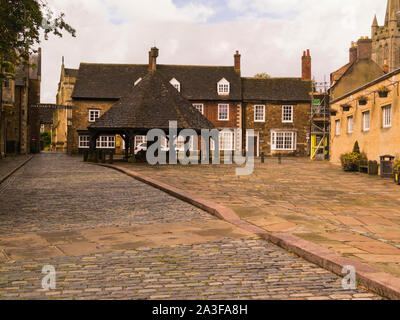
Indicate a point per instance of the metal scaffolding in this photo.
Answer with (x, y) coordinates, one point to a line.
(320, 121)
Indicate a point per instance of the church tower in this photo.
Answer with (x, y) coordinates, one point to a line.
(386, 38)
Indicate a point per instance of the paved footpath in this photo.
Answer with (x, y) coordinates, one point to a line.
(353, 214)
(109, 236)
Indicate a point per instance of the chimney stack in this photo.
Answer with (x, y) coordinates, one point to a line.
(353, 52)
(306, 65)
(237, 62)
(364, 48)
(153, 54)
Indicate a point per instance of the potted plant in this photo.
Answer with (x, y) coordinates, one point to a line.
(351, 161)
(346, 107)
(383, 92)
(362, 100)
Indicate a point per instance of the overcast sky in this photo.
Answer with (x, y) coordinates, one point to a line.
(270, 34)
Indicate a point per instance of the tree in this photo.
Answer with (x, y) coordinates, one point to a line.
(356, 148)
(21, 23)
(262, 76)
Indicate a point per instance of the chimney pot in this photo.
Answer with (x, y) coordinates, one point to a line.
(237, 57)
(153, 54)
(306, 66)
(364, 48)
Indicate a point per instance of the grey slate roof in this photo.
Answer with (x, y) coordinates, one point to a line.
(46, 115)
(71, 72)
(113, 81)
(152, 103)
(276, 89)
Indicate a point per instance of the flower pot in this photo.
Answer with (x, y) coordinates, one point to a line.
(362, 102)
(383, 94)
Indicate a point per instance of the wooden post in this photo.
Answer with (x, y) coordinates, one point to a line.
(111, 160)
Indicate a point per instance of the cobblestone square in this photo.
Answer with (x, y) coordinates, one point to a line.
(109, 236)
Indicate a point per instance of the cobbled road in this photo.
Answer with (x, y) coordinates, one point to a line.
(109, 236)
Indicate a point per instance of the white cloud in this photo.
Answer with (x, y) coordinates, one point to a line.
(270, 34)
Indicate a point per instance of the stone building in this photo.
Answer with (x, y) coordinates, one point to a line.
(360, 70)
(373, 57)
(18, 134)
(278, 110)
(62, 116)
(386, 38)
(213, 91)
(374, 122)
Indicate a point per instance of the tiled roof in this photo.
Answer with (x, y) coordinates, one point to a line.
(46, 115)
(113, 81)
(276, 89)
(71, 72)
(152, 103)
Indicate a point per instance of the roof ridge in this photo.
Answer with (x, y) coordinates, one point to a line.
(167, 65)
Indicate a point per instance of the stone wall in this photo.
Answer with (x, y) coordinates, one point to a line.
(377, 141)
(80, 119)
(273, 121)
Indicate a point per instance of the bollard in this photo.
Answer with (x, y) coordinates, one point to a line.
(96, 156)
(103, 156)
(111, 160)
(262, 157)
(85, 155)
(279, 158)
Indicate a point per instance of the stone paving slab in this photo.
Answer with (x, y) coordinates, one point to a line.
(226, 269)
(312, 200)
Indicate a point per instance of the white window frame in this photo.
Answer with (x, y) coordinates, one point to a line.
(94, 114)
(199, 107)
(365, 126)
(223, 87)
(176, 84)
(257, 113)
(84, 142)
(283, 145)
(387, 116)
(337, 127)
(139, 140)
(286, 119)
(229, 146)
(219, 112)
(105, 142)
(350, 124)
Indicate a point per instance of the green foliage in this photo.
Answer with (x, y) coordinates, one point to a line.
(383, 89)
(21, 23)
(46, 137)
(262, 75)
(351, 161)
(356, 148)
(396, 166)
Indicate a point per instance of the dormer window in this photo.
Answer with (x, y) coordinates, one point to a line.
(223, 87)
(176, 84)
(137, 81)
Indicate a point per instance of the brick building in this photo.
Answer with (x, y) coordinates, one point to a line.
(214, 91)
(281, 121)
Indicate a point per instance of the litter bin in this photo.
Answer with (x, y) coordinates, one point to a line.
(386, 166)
